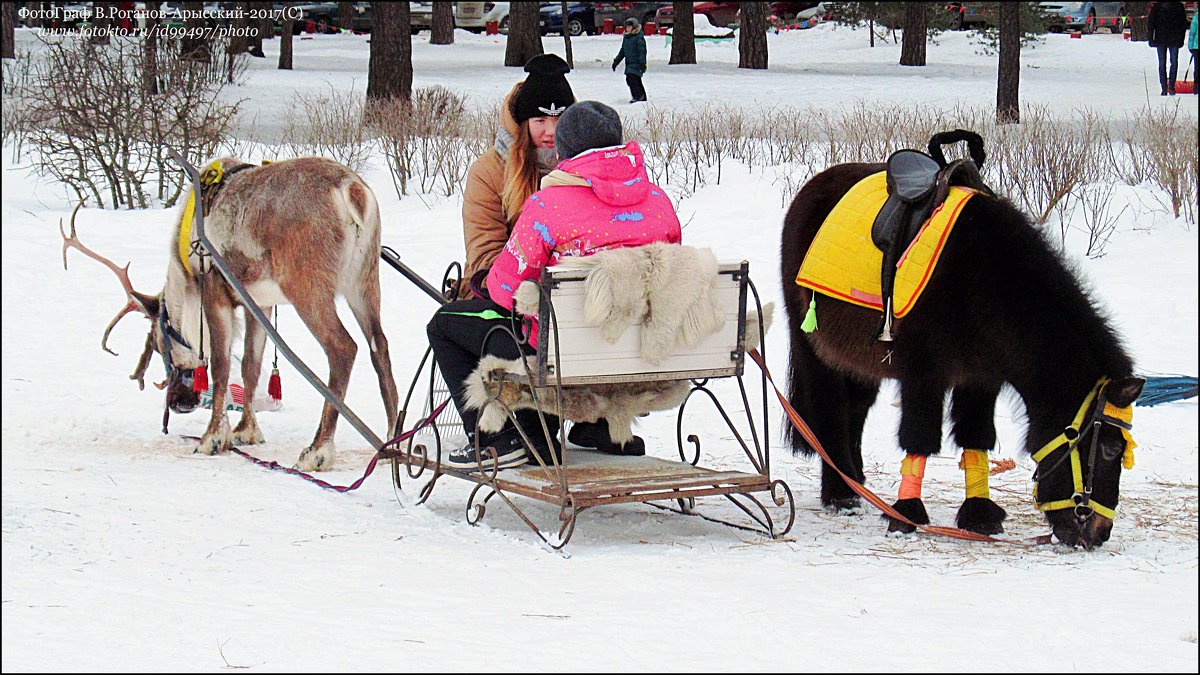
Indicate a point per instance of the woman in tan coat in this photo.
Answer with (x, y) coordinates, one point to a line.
(500, 181)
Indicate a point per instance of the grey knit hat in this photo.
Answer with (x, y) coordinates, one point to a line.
(587, 125)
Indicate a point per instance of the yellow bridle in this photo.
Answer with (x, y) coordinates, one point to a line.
(1081, 500)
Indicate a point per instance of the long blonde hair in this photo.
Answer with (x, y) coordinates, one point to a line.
(521, 175)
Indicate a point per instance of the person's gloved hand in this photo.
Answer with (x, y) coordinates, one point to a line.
(615, 66)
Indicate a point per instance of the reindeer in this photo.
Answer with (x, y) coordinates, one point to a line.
(297, 232)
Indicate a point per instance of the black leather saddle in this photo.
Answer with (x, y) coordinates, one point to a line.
(917, 184)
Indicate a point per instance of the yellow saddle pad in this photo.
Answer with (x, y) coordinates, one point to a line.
(844, 263)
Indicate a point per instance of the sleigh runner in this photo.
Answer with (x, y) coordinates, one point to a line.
(577, 364)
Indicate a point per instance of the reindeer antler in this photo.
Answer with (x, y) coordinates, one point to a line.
(134, 303)
(139, 373)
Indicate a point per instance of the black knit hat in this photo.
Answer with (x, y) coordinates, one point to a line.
(587, 125)
(546, 91)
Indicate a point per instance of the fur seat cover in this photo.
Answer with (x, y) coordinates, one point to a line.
(666, 288)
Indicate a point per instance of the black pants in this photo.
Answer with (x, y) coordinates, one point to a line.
(457, 333)
(1167, 80)
(636, 91)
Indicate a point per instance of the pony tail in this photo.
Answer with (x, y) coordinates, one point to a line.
(521, 173)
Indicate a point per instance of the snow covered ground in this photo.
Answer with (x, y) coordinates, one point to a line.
(124, 551)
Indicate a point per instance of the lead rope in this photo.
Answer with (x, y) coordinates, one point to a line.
(276, 466)
(862, 491)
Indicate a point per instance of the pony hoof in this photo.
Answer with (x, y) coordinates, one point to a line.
(914, 510)
(981, 515)
(843, 506)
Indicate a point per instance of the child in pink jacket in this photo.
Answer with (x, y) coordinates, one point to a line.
(600, 198)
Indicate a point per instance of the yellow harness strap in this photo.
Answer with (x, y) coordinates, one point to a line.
(1123, 414)
(976, 468)
(912, 474)
(211, 175)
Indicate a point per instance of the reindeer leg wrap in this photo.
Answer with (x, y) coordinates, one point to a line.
(974, 464)
(912, 474)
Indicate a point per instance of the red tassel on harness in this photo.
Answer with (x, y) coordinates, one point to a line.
(200, 380)
(275, 386)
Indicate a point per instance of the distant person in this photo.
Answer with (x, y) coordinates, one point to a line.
(1168, 26)
(633, 52)
(500, 181)
(1194, 41)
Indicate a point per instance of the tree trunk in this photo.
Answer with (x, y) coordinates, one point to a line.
(285, 38)
(346, 15)
(1008, 104)
(239, 39)
(683, 34)
(524, 35)
(442, 31)
(390, 73)
(1139, 27)
(256, 32)
(916, 24)
(194, 44)
(567, 36)
(8, 41)
(266, 26)
(101, 24)
(150, 50)
(752, 41)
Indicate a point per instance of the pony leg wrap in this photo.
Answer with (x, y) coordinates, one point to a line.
(974, 464)
(912, 474)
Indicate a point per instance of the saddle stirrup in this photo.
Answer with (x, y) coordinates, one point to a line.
(885, 334)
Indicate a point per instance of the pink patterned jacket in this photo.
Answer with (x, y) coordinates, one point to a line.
(599, 200)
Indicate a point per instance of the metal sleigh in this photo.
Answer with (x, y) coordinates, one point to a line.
(582, 479)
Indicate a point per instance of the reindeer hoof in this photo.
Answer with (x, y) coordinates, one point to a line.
(212, 445)
(248, 437)
(316, 459)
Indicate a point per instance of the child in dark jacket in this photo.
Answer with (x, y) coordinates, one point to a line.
(633, 52)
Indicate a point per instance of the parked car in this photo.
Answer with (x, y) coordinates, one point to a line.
(718, 13)
(323, 15)
(581, 18)
(420, 16)
(619, 11)
(970, 15)
(1081, 16)
(490, 11)
(789, 11)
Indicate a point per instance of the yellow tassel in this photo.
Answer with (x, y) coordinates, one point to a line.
(1125, 415)
(974, 464)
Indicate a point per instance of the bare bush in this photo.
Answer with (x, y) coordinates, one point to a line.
(1168, 145)
(328, 125)
(430, 142)
(15, 121)
(1098, 217)
(100, 132)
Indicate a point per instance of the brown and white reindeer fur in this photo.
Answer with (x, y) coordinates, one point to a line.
(299, 232)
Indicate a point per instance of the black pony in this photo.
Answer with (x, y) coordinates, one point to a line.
(1000, 307)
